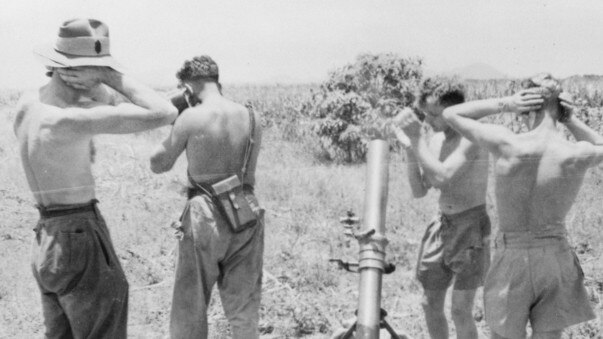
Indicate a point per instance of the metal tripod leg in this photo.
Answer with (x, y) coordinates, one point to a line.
(349, 333)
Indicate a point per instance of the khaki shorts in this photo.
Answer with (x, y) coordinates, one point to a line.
(455, 246)
(538, 280)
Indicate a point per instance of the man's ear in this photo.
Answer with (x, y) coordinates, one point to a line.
(49, 71)
(189, 95)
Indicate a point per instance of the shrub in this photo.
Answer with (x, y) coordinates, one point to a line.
(357, 100)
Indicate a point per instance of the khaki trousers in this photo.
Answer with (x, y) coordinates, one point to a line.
(210, 252)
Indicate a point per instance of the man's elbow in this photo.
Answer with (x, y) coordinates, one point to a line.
(448, 114)
(165, 115)
(419, 193)
(439, 181)
(169, 114)
(159, 166)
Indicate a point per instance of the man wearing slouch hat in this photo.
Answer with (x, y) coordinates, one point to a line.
(84, 289)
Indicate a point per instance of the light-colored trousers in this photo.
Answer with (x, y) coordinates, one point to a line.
(210, 252)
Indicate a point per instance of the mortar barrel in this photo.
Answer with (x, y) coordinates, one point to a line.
(372, 249)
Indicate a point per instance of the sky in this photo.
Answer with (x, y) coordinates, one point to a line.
(264, 41)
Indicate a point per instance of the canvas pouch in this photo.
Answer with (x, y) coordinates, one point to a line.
(233, 200)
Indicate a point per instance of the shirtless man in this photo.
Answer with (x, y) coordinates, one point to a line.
(455, 244)
(535, 276)
(215, 132)
(84, 290)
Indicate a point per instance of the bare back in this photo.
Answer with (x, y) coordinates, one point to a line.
(57, 165)
(537, 181)
(468, 188)
(218, 132)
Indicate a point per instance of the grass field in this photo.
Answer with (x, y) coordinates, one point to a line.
(303, 295)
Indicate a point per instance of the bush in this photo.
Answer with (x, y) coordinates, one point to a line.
(357, 100)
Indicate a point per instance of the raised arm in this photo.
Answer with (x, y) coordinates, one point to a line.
(579, 129)
(494, 138)
(418, 185)
(25, 101)
(406, 120)
(147, 109)
(441, 173)
(597, 155)
(166, 154)
(592, 154)
(435, 173)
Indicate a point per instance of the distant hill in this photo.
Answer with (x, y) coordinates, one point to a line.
(478, 71)
(588, 77)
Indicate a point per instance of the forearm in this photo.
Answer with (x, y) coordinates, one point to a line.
(415, 178)
(159, 165)
(433, 169)
(582, 132)
(140, 95)
(479, 109)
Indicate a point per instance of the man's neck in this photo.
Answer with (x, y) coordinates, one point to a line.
(210, 92)
(450, 133)
(57, 91)
(544, 121)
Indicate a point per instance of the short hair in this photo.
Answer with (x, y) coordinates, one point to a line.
(199, 68)
(546, 85)
(447, 91)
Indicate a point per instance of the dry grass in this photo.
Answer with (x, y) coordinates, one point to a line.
(304, 295)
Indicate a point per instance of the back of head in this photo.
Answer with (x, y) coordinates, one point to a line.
(202, 68)
(446, 91)
(545, 85)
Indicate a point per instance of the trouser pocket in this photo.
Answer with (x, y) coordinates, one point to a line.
(60, 257)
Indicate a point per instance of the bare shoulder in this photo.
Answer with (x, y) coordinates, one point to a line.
(24, 107)
(245, 110)
(587, 153)
(471, 149)
(198, 116)
(239, 109)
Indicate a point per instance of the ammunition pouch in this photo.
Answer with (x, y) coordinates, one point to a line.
(235, 201)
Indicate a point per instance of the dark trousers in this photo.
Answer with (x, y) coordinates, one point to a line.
(84, 289)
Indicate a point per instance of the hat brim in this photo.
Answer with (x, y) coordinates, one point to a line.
(48, 56)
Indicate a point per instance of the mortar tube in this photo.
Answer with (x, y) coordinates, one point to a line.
(372, 248)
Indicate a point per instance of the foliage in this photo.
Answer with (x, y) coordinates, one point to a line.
(303, 296)
(354, 104)
(586, 90)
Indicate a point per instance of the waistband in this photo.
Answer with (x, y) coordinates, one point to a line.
(523, 239)
(479, 209)
(53, 211)
(205, 189)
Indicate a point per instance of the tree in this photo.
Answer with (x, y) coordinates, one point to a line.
(357, 100)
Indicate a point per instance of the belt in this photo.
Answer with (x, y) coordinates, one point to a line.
(479, 209)
(530, 239)
(47, 212)
(205, 189)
